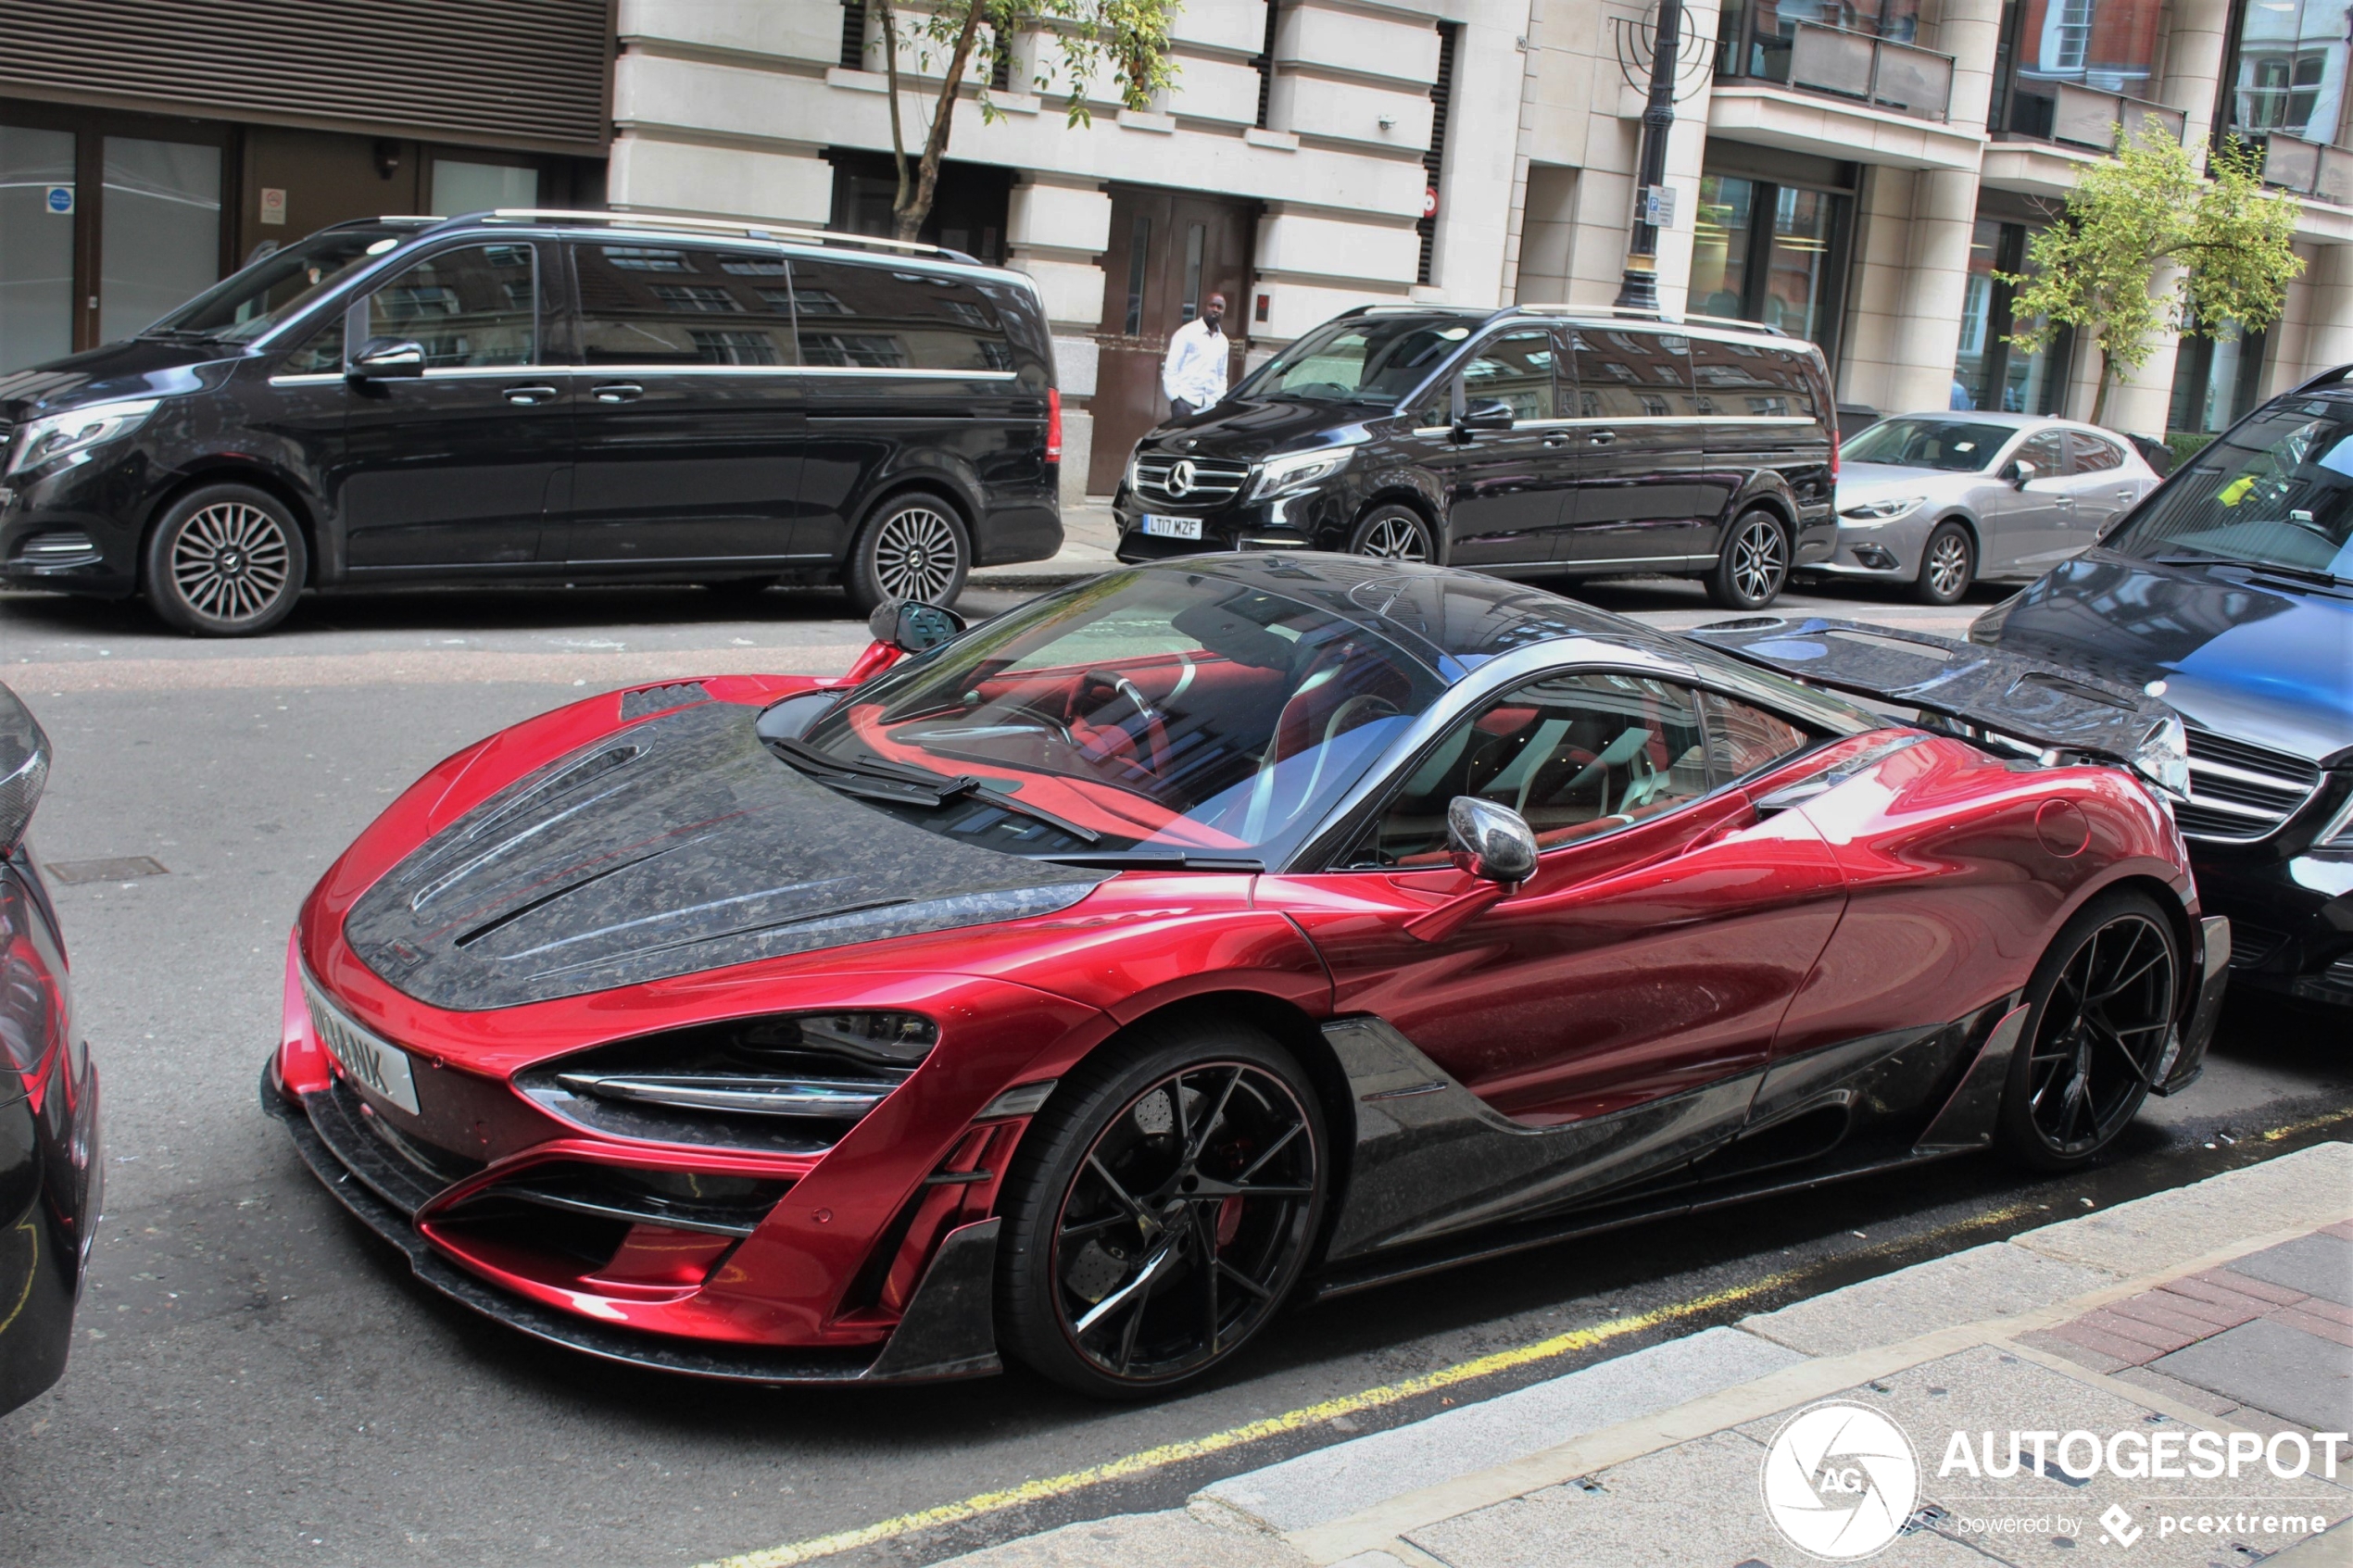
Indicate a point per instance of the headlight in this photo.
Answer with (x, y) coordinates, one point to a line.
(54, 435)
(1880, 511)
(2164, 758)
(1128, 480)
(1298, 469)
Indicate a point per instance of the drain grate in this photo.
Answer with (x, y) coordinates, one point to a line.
(127, 868)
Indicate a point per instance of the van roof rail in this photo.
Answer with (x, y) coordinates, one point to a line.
(1631, 312)
(749, 227)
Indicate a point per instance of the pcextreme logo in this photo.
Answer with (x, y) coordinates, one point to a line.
(1840, 1481)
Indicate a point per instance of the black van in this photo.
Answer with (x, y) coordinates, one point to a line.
(545, 396)
(1528, 441)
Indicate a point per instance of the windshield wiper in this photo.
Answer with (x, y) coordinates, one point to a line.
(899, 785)
(1159, 860)
(2313, 575)
(184, 334)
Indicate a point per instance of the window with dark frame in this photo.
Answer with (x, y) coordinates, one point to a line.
(1441, 95)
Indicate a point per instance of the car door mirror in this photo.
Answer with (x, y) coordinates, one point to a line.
(1487, 413)
(2021, 472)
(24, 768)
(388, 358)
(912, 626)
(1491, 841)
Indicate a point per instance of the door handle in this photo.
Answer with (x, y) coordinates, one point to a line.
(2124, 493)
(2065, 503)
(619, 392)
(1557, 438)
(528, 395)
(1603, 437)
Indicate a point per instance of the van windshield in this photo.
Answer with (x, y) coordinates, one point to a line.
(275, 287)
(2276, 491)
(1363, 360)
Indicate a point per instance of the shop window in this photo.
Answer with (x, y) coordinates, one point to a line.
(1989, 371)
(2288, 71)
(1768, 253)
(460, 187)
(36, 246)
(2103, 46)
(159, 230)
(2216, 381)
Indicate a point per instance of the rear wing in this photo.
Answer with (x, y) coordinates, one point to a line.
(2004, 700)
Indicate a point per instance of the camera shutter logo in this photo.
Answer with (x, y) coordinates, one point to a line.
(1840, 1480)
(1181, 477)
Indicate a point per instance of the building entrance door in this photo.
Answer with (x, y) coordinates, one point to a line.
(1170, 250)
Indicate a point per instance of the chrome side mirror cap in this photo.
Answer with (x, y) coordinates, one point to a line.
(24, 768)
(388, 358)
(912, 626)
(1491, 841)
(1488, 413)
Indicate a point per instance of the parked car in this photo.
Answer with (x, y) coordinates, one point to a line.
(550, 397)
(1528, 442)
(50, 1177)
(2231, 591)
(1931, 503)
(1075, 987)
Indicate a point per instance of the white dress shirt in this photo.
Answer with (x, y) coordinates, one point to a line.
(1195, 370)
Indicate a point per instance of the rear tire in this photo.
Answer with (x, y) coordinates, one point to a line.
(2103, 1003)
(1140, 1252)
(913, 547)
(1393, 532)
(1753, 566)
(1949, 565)
(226, 560)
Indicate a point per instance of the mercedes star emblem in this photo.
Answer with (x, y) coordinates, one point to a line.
(1181, 477)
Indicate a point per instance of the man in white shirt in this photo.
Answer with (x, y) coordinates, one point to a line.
(1194, 374)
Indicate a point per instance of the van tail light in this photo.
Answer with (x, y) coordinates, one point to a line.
(1053, 424)
(1833, 450)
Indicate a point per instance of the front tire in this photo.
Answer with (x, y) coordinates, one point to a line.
(913, 547)
(1160, 1210)
(1393, 532)
(226, 560)
(1754, 567)
(2103, 1003)
(1949, 565)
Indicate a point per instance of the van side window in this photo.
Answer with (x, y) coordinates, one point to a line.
(882, 317)
(320, 353)
(477, 306)
(1624, 374)
(1517, 367)
(658, 305)
(1744, 381)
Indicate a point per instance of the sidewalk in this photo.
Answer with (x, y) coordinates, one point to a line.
(2225, 1306)
(1089, 535)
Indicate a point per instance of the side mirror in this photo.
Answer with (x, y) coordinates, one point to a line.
(388, 358)
(24, 768)
(912, 626)
(1491, 841)
(1488, 413)
(2022, 473)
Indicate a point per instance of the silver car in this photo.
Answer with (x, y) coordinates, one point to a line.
(1932, 502)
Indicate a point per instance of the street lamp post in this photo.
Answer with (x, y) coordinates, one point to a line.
(1640, 289)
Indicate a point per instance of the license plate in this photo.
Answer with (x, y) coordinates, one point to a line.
(1162, 526)
(373, 1065)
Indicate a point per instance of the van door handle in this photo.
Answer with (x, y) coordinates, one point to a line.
(1557, 438)
(1603, 437)
(619, 392)
(528, 395)
(2124, 493)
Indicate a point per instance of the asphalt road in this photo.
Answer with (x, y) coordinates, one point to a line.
(255, 1381)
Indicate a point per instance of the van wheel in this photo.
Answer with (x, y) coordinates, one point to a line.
(1947, 565)
(2103, 1001)
(914, 547)
(1393, 532)
(1754, 567)
(226, 560)
(1160, 1209)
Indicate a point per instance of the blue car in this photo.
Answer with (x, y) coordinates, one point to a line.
(2229, 593)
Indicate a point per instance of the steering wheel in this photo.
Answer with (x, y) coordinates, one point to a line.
(1155, 724)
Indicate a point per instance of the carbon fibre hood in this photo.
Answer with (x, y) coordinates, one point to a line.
(677, 846)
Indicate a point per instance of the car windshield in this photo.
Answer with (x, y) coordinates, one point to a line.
(2276, 491)
(273, 288)
(1954, 445)
(1142, 715)
(1365, 359)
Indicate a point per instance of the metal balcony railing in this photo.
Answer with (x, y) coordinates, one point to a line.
(1885, 75)
(2310, 168)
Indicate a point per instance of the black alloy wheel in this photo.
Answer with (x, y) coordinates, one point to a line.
(1160, 1210)
(914, 547)
(226, 560)
(1949, 565)
(2104, 999)
(1754, 567)
(1393, 532)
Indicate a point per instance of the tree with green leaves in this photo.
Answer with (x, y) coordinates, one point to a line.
(2096, 268)
(1076, 40)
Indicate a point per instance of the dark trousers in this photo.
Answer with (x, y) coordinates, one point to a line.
(1178, 408)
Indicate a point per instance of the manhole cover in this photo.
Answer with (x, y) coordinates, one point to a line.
(126, 868)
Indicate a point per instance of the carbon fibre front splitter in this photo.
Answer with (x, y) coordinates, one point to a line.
(948, 1330)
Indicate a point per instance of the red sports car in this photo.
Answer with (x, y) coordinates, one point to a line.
(1081, 986)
